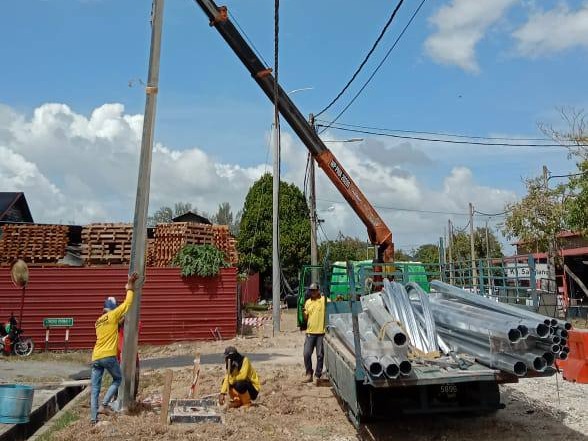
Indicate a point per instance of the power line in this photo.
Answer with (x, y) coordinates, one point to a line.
(492, 214)
(453, 135)
(234, 20)
(447, 141)
(367, 57)
(413, 210)
(378, 66)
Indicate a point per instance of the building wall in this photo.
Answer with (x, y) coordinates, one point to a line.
(172, 308)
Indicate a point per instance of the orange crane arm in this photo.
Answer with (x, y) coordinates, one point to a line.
(378, 231)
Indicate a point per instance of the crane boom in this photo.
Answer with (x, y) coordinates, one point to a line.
(378, 231)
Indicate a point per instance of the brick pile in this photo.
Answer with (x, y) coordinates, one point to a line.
(33, 243)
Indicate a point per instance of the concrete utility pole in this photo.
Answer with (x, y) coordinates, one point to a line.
(138, 246)
(472, 249)
(450, 250)
(312, 203)
(276, 273)
(551, 248)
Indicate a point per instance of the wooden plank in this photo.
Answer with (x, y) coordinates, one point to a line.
(169, 375)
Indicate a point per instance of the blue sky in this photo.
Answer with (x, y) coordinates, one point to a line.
(83, 53)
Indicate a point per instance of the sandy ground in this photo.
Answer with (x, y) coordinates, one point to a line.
(289, 410)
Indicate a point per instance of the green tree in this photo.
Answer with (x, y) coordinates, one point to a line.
(165, 214)
(254, 242)
(344, 248)
(427, 253)
(575, 138)
(402, 256)
(224, 216)
(577, 204)
(460, 247)
(537, 218)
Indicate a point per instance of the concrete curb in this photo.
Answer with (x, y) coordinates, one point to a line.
(49, 424)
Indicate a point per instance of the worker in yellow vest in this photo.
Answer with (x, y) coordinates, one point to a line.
(106, 348)
(241, 381)
(314, 315)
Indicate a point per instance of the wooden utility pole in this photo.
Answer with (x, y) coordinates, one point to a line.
(473, 249)
(139, 242)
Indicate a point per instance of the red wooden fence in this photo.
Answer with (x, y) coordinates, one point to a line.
(172, 308)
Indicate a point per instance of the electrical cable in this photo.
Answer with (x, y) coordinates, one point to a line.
(413, 210)
(447, 141)
(234, 20)
(377, 67)
(365, 60)
(493, 214)
(452, 135)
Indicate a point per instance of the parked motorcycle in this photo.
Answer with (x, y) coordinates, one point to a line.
(12, 340)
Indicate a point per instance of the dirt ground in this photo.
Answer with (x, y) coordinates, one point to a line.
(289, 410)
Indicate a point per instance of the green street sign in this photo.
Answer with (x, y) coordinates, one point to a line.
(63, 322)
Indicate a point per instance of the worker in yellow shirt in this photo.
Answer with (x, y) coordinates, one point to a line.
(106, 347)
(241, 381)
(314, 314)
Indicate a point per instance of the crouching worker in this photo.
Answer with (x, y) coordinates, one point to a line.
(105, 349)
(241, 381)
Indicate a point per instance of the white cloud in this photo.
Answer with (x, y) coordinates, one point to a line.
(83, 169)
(75, 168)
(460, 25)
(551, 31)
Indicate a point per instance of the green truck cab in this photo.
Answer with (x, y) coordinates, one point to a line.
(334, 280)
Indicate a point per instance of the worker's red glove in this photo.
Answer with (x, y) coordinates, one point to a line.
(221, 399)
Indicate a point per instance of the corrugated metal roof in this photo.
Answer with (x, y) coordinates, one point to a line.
(172, 308)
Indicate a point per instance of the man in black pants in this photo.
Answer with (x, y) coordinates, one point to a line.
(241, 381)
(314, 314)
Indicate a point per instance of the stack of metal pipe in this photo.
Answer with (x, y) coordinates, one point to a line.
(499, 335)
(383, 350)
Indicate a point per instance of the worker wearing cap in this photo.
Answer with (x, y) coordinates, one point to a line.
(106, 347)
(314, 314)
(241, 381)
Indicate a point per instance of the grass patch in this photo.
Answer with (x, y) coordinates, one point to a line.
(61, 423)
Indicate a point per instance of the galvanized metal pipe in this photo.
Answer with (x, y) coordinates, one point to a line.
(391, 366)
(452, 319)
(503, 362)
(375, 308)
(478, 300)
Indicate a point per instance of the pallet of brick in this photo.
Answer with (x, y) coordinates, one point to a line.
(33, 243)
(171, 238)
(106, 244)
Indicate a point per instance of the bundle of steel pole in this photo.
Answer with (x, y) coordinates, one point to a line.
(499, 335)
(380, 357)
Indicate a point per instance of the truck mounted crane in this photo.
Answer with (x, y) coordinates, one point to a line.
(378, 232)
